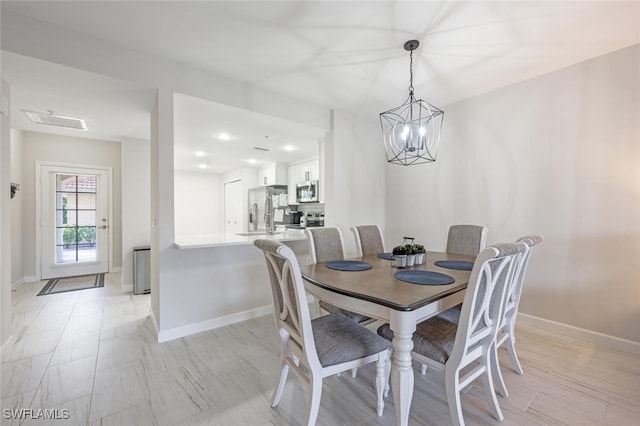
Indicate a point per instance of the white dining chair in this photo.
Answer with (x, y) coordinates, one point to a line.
(326, 245)
(369, 241)
(314, 349)
(466, 240)
(506, 331)
(462, 350)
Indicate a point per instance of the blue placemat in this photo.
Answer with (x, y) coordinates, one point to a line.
(349, 265)
(387, 256)
(461, 265)
(424, 277)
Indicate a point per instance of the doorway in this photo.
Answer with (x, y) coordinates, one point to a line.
(75, 217)
(233, 208)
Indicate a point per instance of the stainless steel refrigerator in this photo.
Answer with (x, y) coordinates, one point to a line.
(267, 205)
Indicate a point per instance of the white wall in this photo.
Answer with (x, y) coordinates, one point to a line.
(17, 208)
(354, 175)
(198, 206)
(64, 149)
(136, 201)
(5, 214)
(557, 155)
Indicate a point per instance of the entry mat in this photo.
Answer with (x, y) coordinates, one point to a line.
(61, 285)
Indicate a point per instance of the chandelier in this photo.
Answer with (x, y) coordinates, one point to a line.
(411, 131)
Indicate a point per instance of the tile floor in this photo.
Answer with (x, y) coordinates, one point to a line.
(92, 352)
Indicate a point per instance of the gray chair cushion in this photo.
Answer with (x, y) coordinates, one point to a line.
(433, 338)
(339, 339)
(335, 310)
(370, 240)
(465, 240)
(327, 244)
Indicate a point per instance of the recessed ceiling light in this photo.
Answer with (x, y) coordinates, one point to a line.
(252, 161)
(199, 154)
(223, 136)
(289, 148)
(203, 166)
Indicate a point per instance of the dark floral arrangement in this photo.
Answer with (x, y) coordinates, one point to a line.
(15, 187)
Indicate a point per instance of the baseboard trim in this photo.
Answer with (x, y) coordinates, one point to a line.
(116, 269)
(17, 283)
(31, 279)
(611, 342)
(198, 327)
(127, 288)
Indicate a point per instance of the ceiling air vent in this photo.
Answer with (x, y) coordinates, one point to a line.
(259, 148)
(51, 119)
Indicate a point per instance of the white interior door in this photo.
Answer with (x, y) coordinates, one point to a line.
(233, 208)
(75, 221)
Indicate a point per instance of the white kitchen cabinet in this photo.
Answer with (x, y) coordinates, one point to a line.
(309, 170)
(272, 174)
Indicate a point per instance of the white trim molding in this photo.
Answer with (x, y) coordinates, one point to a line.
(17, 283)
(31, 279)
(198, 327)
(606, 340)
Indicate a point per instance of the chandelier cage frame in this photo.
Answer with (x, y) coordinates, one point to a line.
(411, 131)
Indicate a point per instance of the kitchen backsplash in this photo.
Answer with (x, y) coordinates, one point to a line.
(313, 208)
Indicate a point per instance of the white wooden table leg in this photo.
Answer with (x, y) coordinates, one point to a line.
(403, 325)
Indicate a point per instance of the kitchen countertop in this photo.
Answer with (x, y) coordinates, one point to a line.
(220, 240)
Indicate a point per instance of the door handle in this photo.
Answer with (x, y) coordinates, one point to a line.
(102, 227)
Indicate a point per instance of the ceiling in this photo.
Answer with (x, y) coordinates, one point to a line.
(112, 108)
(345, 55)
(199, 124)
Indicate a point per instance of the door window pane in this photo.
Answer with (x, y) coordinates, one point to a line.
(86, 218)
(66, 236)
(87, 234)
(65, 183)
(76, 218)
(87, 183)
(87, 201)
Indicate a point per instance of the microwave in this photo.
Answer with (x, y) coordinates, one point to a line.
(307, 192)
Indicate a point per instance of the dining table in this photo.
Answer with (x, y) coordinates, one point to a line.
(376, 292)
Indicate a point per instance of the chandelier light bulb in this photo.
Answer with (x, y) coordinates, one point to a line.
(405, 132)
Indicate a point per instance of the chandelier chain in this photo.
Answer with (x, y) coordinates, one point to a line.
(411, 73)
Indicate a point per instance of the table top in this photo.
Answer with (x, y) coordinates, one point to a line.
(379, 285)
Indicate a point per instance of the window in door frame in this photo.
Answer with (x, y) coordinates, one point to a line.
(38, 208)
